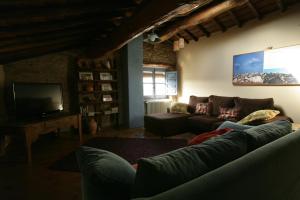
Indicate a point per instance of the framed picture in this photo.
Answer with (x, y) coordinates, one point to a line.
(107, 98)
(106, 87)
(86, 76)
(271, 67)
(105, 76)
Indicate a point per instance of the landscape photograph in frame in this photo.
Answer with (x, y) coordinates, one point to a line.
(271, 67)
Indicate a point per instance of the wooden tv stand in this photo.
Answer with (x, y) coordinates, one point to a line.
(32, 129)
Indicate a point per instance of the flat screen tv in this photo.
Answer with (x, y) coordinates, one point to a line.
(36, 100)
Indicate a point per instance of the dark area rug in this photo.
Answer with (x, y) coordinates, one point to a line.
(131, 149)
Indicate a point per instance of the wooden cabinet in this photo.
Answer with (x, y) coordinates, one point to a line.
(98, 91)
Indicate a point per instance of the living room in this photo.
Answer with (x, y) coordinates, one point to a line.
(204, 67)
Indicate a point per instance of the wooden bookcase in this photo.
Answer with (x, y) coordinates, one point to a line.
(98, 92)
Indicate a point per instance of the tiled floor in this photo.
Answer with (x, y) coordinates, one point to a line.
(18, 181)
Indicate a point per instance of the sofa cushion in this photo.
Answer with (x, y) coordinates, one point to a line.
(105, 175)
(162, 172)
(220, 101)
(259, 115)
(193, 102)
(234, 126)
(248, 106)
(228, 113)
(205, 136)
(179, 108)
(258, 136)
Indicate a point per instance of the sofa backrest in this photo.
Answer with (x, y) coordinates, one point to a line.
(248, 106)
(193, 102)
(269, 172)
(220, 101)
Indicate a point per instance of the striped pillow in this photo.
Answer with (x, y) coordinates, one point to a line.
(228, 113)
(202, 108)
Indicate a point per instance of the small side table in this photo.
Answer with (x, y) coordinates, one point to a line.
(295, 126)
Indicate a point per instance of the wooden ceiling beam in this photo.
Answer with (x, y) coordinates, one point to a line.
(181, 36)
(281, 5)
(146, 18)
(6, 33)
(191, 35)
(254, 10)
(84, 33)
(39, 51)
(203, 30)
(219, 25)
(199, 17)
(13, 19)
(235, 19)
(21, 47)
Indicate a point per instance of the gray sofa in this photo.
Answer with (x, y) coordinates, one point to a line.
(262, 164)
(270, 172)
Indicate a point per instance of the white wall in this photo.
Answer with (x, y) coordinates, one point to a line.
(206, 65)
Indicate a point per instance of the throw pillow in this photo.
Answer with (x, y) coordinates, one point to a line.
(203, 108)
(228, 113)
(179, 108)
(205, 136)
(105, 175)
(259, 115)
(234, 126)
(258, 136)
(163, 172)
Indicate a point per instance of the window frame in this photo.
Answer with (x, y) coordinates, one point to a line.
(153, 70)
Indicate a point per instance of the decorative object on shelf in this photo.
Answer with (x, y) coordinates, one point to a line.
(114, 110)
(107, 98)
(106, 87)
(107, 112)
(107, 64)
(84, 63)
(86, 76)
(93, 126)
(87, 87)
(270, 67)
(105, 76)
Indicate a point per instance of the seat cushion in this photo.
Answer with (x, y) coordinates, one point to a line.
(165, 124)
(248, 106)
(202, 123)
(221, 101)
(105, 175)
(258, 136)
(162, 172)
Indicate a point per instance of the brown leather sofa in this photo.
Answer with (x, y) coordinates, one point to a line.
(167, 124)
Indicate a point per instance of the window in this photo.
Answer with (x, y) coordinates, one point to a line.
(154, 83)
(158, 83)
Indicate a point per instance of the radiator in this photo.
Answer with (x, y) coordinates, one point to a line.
(157, 106)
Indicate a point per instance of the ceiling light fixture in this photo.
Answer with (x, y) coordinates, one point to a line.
(152, 37)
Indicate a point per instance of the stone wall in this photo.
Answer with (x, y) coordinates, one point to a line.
(161, 53)
(51, 68)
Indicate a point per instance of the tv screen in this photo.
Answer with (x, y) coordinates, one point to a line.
(37, 99)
